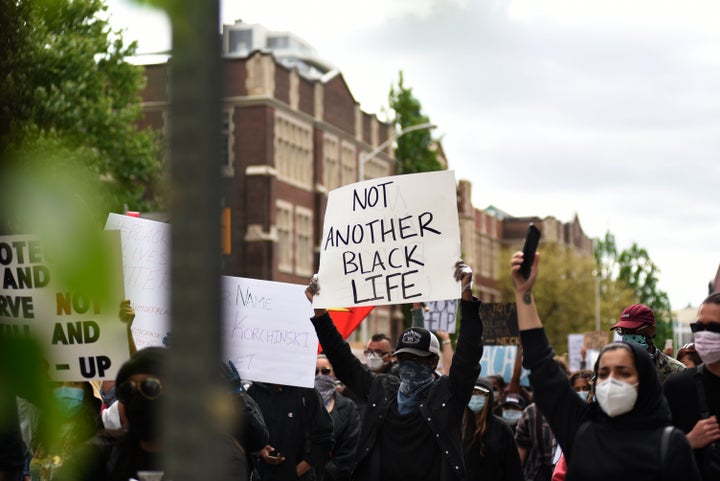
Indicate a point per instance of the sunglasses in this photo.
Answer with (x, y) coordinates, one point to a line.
(709, 326)
(324, 370)
(377, 353)
(150, 388)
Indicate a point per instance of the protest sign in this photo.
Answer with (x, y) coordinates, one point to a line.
(501, 360)
(146, 265)
(82, 336)
(390, 240)
(267, 331)
(575, 344)
(500, 325)
(441, 315)
(595, 339)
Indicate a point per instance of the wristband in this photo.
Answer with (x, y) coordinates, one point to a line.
(446, 341)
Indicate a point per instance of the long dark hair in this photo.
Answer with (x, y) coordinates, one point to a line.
(474, 425)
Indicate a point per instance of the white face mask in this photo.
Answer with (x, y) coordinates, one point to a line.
(374, 363)
(616, 397)
(707, 345)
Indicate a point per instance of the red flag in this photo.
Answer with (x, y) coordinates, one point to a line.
(347, 319)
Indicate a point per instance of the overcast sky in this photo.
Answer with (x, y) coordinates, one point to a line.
(606, 108)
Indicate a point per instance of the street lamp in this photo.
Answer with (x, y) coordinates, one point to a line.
(366, 157)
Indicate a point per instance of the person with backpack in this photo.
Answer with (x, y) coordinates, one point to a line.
(625, 433)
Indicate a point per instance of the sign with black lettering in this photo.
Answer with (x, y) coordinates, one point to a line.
(500, 325)
(441, 315)
(82, 336)
(267, 331)
(390, 240)
(146, 266)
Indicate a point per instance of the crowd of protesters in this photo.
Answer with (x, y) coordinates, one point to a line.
(415, 409)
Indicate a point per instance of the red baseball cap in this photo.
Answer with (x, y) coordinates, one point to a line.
(635, 316)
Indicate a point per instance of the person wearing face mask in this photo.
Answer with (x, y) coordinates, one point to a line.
(694, 395)
(488, 444)
(77, 420)
(637, 325)
(626, 432)
(346, 422)
(411, 424)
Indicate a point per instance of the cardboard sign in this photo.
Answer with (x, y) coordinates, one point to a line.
(267, 331)
(575, 344)
(146, 265)
(83, 337)
(595, 339)
(500, 325)
(390, 240)
(501, 360)
(441, 316)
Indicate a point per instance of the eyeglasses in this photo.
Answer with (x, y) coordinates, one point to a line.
(705, 326)
(369, 352)
(150, 388)
(324, 370)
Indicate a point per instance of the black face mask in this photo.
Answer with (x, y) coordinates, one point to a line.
(144, 417)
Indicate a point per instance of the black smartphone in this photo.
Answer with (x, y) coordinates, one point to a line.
(532, 238)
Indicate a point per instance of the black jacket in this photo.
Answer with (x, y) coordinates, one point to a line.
(300, 429)
(443, 409)
(596, 446)
(346, 429)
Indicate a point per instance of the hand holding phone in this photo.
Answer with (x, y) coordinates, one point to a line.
(532, 238)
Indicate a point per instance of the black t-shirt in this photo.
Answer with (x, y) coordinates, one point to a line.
(408, 446)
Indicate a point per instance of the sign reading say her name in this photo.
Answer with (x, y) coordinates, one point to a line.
(81, 334)
(390, 240)
(267, 331)
(146, 264)
(441, 315)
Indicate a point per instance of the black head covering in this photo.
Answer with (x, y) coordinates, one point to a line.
(651, 408)
(151, 360)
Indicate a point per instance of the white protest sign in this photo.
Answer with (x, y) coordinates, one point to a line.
(146, 264)
(390, 240)
(267, 331)
(575, 344)
(83, 337)
(441, 315)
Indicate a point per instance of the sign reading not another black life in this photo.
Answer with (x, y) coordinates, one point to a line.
(500, 325)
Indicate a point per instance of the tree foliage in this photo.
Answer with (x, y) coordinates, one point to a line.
(634, 271)
(414, 152)
(66, 81)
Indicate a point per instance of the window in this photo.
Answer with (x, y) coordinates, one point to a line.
(331, 170)
(293, 151)
(284, 223)
(348, 164)
(227, 143)
(304, 255)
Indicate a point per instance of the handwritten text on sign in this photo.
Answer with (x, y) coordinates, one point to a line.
(390, 240)
(441, 316)
(146, 264)
(267, 331)
(82, 337)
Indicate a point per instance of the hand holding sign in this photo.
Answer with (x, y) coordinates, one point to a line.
(463, 274)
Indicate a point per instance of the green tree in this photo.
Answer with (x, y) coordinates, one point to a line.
(414, 151)
(66, 82)
(564, 292)
(633, 269)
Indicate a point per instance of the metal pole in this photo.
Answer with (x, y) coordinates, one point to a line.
(193, 371)
(363, 158)
(597, 301)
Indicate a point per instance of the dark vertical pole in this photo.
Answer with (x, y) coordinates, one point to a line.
(195, 207)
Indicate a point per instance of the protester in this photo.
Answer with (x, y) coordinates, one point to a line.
(346, 422)
(411, 425)
(688, 355)
(301, 432)
(511, 409)
(378, 354)
(79, 420)
(418, 320)
(637, 325)
(694, 395)
(625, 433)
(488, 443)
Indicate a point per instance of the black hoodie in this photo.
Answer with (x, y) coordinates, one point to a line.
(599, 447)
